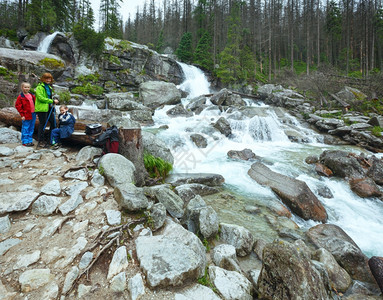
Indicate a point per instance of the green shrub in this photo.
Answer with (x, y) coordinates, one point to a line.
(90, 41)
(377, 131)
(88, 89)
(156, 166)
(64, 97)
(3, 71)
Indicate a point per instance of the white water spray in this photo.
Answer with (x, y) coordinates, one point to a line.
(46, 42)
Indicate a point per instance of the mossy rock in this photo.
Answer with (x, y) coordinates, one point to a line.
(52, 63)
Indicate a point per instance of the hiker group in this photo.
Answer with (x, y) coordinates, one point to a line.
(42, 105)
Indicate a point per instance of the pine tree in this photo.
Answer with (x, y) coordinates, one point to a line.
(229, 66)
(184, 51)
(202, 54)
(160, 42)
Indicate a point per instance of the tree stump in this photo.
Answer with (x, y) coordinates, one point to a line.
(132, 148)
(376, 266)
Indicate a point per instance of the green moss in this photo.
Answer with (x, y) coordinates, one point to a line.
(125, 45)
(52, 63)
(115, 60)
(205, 280)
(377, 131)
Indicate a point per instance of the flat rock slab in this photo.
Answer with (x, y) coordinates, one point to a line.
(16, 201)
(294, 193)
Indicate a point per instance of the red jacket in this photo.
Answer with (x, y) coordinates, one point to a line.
(23, 106)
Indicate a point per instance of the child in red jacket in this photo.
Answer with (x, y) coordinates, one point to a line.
(25, 105)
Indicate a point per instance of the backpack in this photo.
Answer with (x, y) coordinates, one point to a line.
(108, 140)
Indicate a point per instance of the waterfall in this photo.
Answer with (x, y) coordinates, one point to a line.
(267, 132)
(46, 42)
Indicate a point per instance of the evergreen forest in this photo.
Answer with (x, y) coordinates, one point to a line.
(237, 41)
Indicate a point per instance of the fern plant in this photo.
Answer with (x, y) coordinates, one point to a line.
(156, 166)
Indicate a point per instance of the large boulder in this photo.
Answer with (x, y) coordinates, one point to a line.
(288, 273)
(156, 147)
(171, 258)
(342, 164)
(294, 193)
(343, 248)
(31, 62)
(117, 169)
(153, 94)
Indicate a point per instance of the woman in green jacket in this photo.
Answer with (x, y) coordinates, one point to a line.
(44, 107)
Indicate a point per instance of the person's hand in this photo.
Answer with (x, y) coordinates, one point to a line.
(23, 118)
(56, 101)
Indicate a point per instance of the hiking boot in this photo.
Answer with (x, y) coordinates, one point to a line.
(55, 146)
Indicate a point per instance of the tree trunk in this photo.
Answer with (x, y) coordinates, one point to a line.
(132, 148)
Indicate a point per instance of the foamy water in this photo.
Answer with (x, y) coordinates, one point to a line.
(266, 137)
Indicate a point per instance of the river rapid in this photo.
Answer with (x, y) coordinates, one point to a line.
(265, 134)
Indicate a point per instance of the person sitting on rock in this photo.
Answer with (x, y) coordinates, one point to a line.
(65, 129)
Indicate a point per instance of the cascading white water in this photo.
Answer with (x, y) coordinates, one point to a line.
(267, 136)
(46, 42)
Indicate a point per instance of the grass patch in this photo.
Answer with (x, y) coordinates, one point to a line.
(156, 166)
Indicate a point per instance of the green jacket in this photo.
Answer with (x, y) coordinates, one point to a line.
(42, 100)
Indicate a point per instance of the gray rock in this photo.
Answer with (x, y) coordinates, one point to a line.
(9, 136)
(225, 257)
(288, 273)
(97, 179)
(237, 236)
(118, 283)
(16, 201)
(338, 277)
(197, 291)
(230, 284)
(8, 244)
(87, 153)
(45, 205)
(156, 147)
(172, 202)
(179, 111)
(117, 169)
(71, 204)
(223, 126)
(208, 222)
(76, 188)
(130, 197)
(52, 188)
(136, 287)
(208, 179)
(85, 260)
(158, 215)
(119, 262)
(342, 164)
(156, 93)
(343, 248)
(6, 151)
(81, 174)
(70, 277)
(294, 193)
(171, 258)
(189, 191)
(113, 217)
(199, 140)
(142, 116)
(33, 279)
(5, 224)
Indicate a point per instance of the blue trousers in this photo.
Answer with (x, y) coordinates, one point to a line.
(27, 129)
(55, 136)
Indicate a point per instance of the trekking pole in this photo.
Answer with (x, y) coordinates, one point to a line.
(48, 118)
